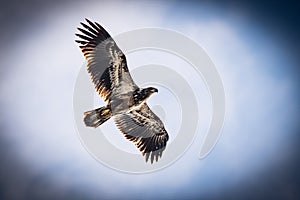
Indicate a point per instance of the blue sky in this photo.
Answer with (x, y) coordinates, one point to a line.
(37, 84)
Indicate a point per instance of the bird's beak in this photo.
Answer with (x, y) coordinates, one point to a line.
(154, 90)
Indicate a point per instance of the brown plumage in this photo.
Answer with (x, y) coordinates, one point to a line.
(126, 102)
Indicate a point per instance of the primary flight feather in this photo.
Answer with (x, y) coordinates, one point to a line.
(125, 101)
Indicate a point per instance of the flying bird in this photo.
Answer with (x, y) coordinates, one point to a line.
(125, 101)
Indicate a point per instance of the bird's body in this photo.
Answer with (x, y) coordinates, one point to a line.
(125, 101)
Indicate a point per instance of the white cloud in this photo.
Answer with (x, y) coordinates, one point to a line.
(40, 87)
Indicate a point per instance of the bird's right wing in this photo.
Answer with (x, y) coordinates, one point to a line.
(145, 129)
(106, 63)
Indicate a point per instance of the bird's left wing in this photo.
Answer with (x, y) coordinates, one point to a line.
(145, 129)
(106, 63)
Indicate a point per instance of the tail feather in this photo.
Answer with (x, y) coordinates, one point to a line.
(95, 118)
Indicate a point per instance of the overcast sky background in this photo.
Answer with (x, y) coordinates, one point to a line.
(255, 49)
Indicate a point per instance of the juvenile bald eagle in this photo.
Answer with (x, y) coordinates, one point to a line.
(125, 101)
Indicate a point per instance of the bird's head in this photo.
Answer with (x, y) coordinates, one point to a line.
(146, 92)
(152, 90)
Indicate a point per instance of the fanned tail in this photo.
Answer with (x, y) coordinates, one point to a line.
(95, 118)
